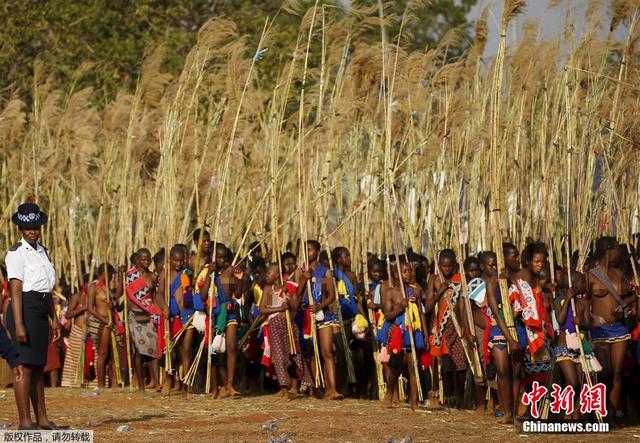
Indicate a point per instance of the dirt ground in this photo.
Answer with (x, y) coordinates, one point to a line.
(198, 418)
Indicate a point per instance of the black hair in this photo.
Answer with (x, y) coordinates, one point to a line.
(605, 244)
(415, 257)
(447, 253)
(101, 268)
(509, 247)
(143, 250)
(287, 255)
(196, 234)
(177, 248)
(337, 252)
(255, 246)
(375, 261)
(485, 256)
(469, 261)
(132, 257)
(257, 263)
(314, 244)
(159, 256)
(532, 249)
(324, 256)
(223, 248)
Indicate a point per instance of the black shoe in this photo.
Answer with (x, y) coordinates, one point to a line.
(33, 427)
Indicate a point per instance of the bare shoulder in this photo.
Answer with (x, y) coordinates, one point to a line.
(490, 280)
(395, 292)
(616, 273)
(329, 274)
(267, 290)
(522, 274)
(227, 275)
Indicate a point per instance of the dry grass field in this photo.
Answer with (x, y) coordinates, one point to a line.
(196, 418)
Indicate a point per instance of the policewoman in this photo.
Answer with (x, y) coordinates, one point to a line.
(31, 280)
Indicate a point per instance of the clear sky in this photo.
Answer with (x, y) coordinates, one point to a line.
(552, 20)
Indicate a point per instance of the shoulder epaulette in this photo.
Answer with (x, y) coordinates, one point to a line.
(15, 247)
(46, 252)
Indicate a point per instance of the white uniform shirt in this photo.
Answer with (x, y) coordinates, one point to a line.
(31, 266)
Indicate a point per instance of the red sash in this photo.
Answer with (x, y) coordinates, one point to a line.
(523, 299)
(141, 296)
(436, 339)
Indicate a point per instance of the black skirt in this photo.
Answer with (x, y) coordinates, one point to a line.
(35, 317)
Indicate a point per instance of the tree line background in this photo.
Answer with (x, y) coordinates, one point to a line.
(114, 36)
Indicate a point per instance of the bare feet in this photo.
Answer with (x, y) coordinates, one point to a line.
(231, 392)
(166, 390)
(333, 396)
(505, 420)
(491, 406)
(177, 387)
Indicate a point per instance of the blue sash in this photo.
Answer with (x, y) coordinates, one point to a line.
(191, 302)
(418, 338)
(222, 302)
(376, 289)
(316, 283)
(221, 296)
(173, 304)
(348, 306)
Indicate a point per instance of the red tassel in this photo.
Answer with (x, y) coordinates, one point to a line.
(306, 323)
(486, 355)
(176, 326)
(88, 358)
(426, 360)
(395, 343)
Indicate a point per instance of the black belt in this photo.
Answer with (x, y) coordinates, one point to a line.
(36, 294)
